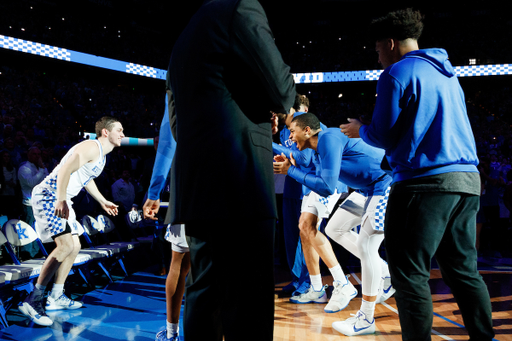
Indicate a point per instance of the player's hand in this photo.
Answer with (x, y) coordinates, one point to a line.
(351, 129)
(280, 158)
(61, 209)
(292, 160)
(109, 207)
(281, 167)
(150, 209)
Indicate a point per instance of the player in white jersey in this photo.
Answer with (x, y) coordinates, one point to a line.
(56, 220)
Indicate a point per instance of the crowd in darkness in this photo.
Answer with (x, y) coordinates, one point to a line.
(48, 104)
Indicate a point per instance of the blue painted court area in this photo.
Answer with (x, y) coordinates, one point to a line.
(129, 309)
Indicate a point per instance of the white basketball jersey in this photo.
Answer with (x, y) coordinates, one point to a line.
(79, 178)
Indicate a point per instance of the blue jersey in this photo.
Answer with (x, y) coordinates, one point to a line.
(350, 161)
(308, 158)
(164, 156)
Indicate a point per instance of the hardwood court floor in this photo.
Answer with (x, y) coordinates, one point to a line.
(133, 309)
(294, 322)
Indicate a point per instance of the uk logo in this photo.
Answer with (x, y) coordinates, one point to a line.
(21, 231)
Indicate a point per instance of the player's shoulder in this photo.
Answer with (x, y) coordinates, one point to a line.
(88, 148)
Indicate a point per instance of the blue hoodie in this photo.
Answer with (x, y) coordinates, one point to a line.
(420, 118)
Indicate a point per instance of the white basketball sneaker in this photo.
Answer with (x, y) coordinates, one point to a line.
(341, 296)
(311, 296)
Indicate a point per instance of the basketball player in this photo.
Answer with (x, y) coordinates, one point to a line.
(358, 165)
(175, 234)
(317, 208)
(56, 220)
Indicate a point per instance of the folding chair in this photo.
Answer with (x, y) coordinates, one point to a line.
(17, 281)
(116, 252)
(20, 233)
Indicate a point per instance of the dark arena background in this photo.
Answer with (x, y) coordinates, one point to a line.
(64, 64)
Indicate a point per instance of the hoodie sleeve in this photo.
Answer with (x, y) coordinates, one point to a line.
(164, 156)
(383, 130)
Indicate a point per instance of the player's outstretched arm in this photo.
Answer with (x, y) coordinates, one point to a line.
(107, 206)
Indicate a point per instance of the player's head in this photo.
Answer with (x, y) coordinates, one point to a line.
(303, 128)
(111, 129)
(301, 103)
(399, 28)
(106, 122)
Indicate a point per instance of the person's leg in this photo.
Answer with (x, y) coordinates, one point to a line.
(177, 296)
(57, 299)
(65, 247)
(308, 233)
(174, 290)
(368, 243)
(291, 214)
(457, 259)
(415, 225)
(203, 301)
(214, 305)
(339, 229)
(32, 306)
(371, 270)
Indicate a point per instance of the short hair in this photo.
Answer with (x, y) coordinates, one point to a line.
(401, 25)
(300, 100)
(106, 122)
(307, 120)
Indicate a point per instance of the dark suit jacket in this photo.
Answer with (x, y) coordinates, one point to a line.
(226, 74)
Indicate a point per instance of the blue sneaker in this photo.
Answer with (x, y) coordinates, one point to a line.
(162, 336)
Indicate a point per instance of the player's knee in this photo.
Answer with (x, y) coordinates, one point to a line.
(76, 247)
(63, 250)
(330, 231)
(307, 231)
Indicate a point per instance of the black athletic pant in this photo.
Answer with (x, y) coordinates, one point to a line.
(420, 226)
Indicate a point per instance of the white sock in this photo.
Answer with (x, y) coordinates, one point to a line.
(338, 274)
(57, 290)
(172, 329)
(316, 282)
(368, 308)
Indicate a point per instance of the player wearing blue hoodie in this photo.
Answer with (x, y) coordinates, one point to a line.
(420, 119)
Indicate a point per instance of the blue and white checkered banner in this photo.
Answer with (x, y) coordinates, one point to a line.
(79, 57)
(34, 48)
(25, 46)
(483, 70)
